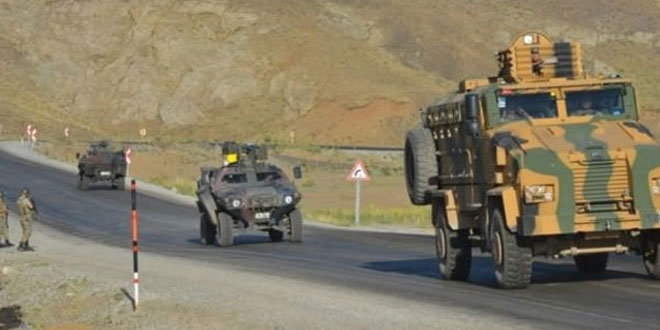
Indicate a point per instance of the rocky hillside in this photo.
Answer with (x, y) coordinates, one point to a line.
(333, 71)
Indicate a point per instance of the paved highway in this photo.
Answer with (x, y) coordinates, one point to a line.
(399, 265)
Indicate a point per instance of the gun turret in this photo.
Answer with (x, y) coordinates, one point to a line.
(234, 153)
(533, 56)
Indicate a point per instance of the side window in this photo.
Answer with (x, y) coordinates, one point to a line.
(268, 176)
(234, 178)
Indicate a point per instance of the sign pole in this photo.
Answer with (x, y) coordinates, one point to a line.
(134, 230)
(357, 203)
(358, 174)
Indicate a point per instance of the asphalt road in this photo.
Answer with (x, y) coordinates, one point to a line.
(399, 265)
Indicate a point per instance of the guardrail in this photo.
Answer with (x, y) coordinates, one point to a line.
(356, 148)
(359, 148)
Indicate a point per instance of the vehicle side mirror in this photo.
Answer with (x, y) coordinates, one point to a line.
(472, 112)
(77, 155)
(297, 172)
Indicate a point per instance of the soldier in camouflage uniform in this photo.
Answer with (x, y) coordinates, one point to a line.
(26, 208)
(4, 223)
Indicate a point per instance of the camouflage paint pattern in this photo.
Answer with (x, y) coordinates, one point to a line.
(562, 156)
(600, 169)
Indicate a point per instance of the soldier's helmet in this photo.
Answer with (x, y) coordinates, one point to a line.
(25, 192)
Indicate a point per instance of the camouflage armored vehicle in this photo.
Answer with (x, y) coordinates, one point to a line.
(247, 193)
(541, 160)
(101, 163)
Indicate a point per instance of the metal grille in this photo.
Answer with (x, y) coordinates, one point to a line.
(263, 201)
(601, 181)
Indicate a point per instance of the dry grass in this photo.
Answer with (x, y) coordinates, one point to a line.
(375, 216)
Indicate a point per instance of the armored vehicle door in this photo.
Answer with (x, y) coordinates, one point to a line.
(464, 149)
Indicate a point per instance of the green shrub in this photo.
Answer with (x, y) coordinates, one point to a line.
(416, 217)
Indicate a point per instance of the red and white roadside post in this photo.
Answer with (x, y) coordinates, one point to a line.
(127, 156)
(33, 137)
(28, 134)
(134, 231)
(358, 174)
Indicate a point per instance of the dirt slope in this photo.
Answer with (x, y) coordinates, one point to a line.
(335, 71)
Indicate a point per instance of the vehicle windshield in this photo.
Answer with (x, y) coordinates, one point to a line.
(234, 178)
(608, 102)
(268, 176)
(532, 106)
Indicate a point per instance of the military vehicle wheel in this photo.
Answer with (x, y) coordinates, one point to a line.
(84, 183)
(513, 262)
(295, 226)
(651, 258)
(591, 263)
(419, 164)
(275, 235)
(206, 230)
(225, 229)
(452, 247)
(119, 184)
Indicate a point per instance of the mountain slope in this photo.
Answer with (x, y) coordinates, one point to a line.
(335, 71)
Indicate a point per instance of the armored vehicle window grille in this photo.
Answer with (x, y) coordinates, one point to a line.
(601, 182)
(607, 102)
(263, 202)
(521, 106)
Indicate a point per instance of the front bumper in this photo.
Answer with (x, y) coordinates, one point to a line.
(276, 214)
(557, 224)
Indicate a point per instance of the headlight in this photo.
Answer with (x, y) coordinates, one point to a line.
(539, 194)
(655, 186)
(288, 199)
(236, 203)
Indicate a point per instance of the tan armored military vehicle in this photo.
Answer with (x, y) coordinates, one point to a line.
(541, 160)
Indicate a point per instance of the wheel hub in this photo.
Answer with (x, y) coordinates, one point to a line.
(497, 249)
(440, 241)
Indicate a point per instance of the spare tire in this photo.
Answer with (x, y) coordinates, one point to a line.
(420, 164)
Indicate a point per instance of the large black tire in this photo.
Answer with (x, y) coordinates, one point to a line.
(651, 258)
(295, 226)
(84, 182)
(420, 164)
(591, 263)
(275, 235)
(513, 261)
(225, 229)
(119, 183)
(452, 247)
(207, 230)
